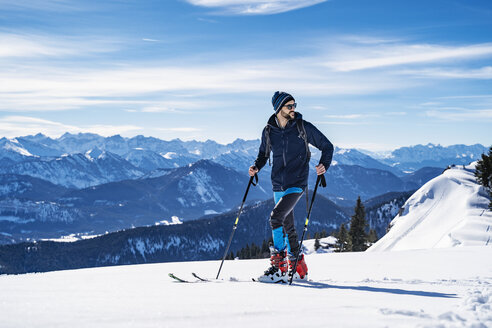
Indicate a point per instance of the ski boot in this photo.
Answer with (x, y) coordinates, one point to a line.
(301, 272)
(277, 273)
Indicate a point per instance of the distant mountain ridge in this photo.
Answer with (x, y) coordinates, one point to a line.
(202, 239)
(111, 183)
(34, 208)
(185, 152)
(412, 158)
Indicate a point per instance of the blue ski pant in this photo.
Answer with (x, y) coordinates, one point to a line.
(282, 220)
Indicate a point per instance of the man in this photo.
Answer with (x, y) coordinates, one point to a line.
(287, 135)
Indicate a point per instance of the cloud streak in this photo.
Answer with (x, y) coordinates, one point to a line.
(372, 56)
(460, 114)
(254, 7)
(35, 45)
(342, 69)
(484, 73)
(14, 126)
(69, 88)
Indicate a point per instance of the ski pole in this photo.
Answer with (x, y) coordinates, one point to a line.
(320, 180)
(237, 220)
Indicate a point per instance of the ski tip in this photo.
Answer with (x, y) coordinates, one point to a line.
(198, 277)
(176, 278)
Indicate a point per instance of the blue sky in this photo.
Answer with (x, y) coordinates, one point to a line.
(369, 74)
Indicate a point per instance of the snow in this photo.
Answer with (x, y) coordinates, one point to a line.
(72, 238)
(15, 146)
(169, 155)
(174, 220)
(325, 245)
(342, 151)
(448, 211)
(417, 288)
(196, 152)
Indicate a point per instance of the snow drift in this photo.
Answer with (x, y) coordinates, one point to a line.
(450, 210)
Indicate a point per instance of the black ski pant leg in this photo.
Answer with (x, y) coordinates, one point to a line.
(283, 216)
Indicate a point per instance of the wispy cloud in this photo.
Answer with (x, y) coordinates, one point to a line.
(43, 87)
(207, 20)
(45, 5)
(350, 116)
(460, 114)
(342, 122)
(37, 45)
(181, 129)
(73, 87)
(484, 73)
(14, 126)
(354, 57)
(254, 7)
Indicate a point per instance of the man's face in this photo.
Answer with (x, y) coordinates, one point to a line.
(288, 113)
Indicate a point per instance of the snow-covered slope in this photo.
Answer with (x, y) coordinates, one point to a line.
(424, 288)
(450, 210)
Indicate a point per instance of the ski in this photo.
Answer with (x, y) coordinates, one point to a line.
(198, 277)
(280, 282)
(177, 278)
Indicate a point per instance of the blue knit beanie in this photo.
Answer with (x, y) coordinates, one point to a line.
(279, 99)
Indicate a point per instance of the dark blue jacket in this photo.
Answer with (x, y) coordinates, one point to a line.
(290, 159)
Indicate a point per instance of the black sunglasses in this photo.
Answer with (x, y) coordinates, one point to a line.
(291, 106)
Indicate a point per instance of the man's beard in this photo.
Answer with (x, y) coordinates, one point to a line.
(287, 116)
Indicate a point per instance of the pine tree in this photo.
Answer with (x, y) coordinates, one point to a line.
(343, 240)
(317, 245)
(255, 251)
(358, 227)
(247, 252)
(265, 251)
(483, 173)
(373, 236)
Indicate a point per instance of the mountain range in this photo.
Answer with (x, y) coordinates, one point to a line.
(89, 184)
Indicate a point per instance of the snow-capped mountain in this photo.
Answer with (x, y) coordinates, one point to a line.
(202, 188)
(450, 210)
(413, 158)
(78, 170)
(240, 160)
(40, 145)
(11, 151)
(355, 157)
(148, 160)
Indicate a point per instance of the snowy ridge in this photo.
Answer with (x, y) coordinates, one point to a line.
(450, 210)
